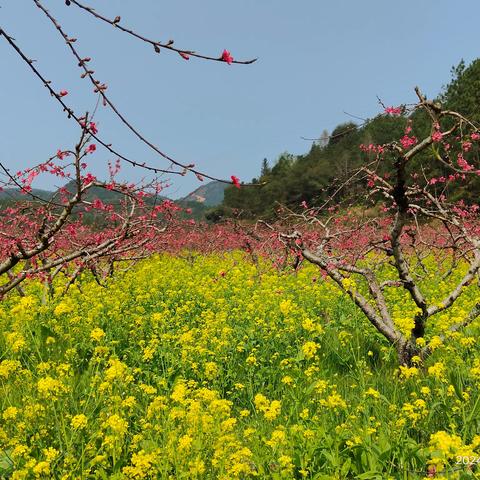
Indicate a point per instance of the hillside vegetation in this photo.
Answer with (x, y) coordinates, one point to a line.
(313, 177)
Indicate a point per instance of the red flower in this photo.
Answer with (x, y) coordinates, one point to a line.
(393, 110)
(91, 148)
(235, 181)
(437, 136)
(465, 166)
(184, 55)
(226, 57)
(62, 93)
(407, 141)
(93, 128)
(89, 178)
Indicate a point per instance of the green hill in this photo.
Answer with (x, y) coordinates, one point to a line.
(211, 194)
(314, 176)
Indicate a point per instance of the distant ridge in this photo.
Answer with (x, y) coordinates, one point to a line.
(15, 194)
(197, 202)
(210, 195)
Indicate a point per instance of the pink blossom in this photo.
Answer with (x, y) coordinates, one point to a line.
(235, 181)
(371, 148)
(393, 110)
(98, 204)
(91, 148)
(29, 179)
(184, 55)
(93, 128)
(62, 93)
(463, 164)
(437, 136)
(226, 57)
(475, 136)
(407, 141)
(61, 155)
(89, 178)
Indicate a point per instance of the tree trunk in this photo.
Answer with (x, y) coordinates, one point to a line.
(406, 351)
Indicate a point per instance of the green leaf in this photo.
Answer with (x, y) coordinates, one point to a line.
(6, 464)
(346, 467)
(371, 475)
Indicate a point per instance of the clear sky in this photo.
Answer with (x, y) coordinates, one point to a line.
(317, 60)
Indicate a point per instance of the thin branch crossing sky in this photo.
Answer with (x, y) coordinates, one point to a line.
(316, 61)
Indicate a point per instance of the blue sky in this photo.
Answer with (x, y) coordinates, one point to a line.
(317, 60)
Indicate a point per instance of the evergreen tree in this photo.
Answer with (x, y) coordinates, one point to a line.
(265, 171)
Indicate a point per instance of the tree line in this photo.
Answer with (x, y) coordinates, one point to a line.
(312, 178)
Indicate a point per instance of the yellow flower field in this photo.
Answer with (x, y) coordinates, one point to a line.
(210, 369)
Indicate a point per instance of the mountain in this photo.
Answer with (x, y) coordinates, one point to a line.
(102, 194)
(14, 194)
(196, 203)
(211, 194)
(208, 195)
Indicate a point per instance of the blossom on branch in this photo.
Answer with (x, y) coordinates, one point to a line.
(227, 57)
(393, 110)
(61, 155)
(93, 128)
(235, 181)
(407, 141)
(437, 136)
